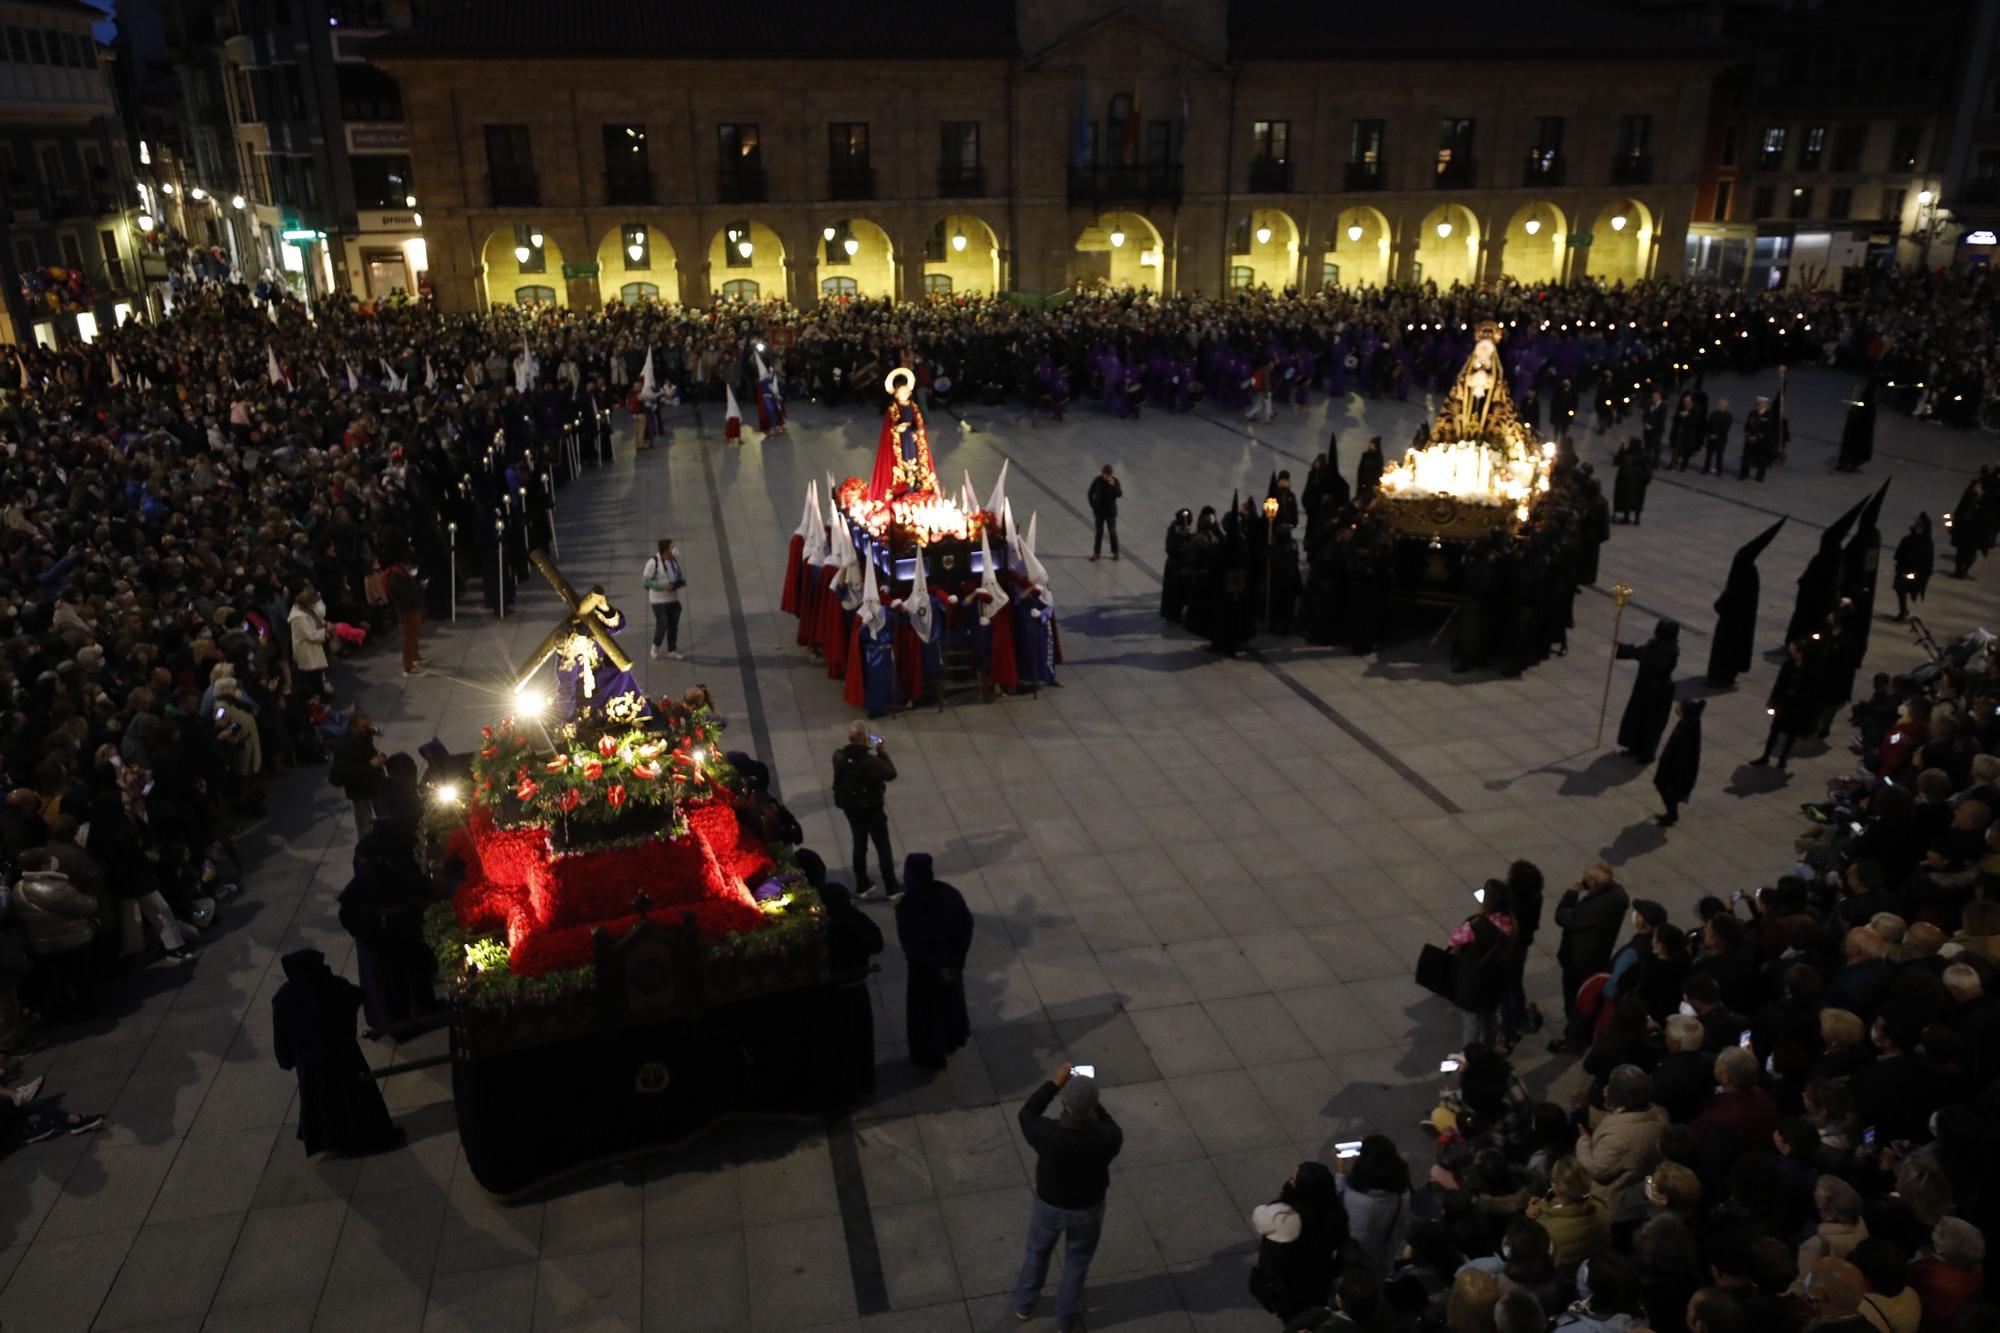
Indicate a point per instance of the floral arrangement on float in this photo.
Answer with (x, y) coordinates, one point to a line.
(559, 836)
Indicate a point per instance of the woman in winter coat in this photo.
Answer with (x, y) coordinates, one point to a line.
(309, 636)
(1482, 947)
(1579, 1226)
(1300, 1235)
(1375, 1191)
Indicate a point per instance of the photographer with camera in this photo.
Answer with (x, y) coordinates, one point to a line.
(862, 772)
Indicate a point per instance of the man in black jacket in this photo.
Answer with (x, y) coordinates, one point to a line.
(1073, 1155)
(862, 772)
(1589, 916)
(1105, 493)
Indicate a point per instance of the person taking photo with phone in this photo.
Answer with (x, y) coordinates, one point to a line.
(862, 772)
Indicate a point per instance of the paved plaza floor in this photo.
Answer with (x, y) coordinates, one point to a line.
(1209, 877)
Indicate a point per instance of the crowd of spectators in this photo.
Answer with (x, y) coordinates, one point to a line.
(1783, 1119)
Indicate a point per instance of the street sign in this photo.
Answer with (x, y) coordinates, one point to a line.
(579, 270)
(1579, 239)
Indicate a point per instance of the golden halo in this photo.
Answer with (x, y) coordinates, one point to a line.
(889, 383)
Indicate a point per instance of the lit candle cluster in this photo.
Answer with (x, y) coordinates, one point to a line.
(1473, 472)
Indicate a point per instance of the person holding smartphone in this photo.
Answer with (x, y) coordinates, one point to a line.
(1073, 1156)
(862, 772)
(663, 581)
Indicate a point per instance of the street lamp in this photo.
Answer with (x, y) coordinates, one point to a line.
(827, 233)
(1531, 226)
(236, 201)
(1930, 215)
(635, 244)
(1263, 235)
(743, 247)
(145, 222)
(197, 194)
(409, 201)
(521, 253)
(1117, 238)
(1618, 222)
(852, 246)
(535, 238)
(1444, 230)
(958, 241)
(1354, 231)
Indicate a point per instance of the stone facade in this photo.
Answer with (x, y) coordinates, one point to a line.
(1190, 200)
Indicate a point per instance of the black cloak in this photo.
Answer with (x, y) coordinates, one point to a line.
(934, 927)
(313, 1033)
(1680, 758)
(1652, 699)
(1736, 612)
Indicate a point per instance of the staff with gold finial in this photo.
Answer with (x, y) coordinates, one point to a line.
(1621, 593)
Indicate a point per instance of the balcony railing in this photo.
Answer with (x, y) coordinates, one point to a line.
(1458, 174)
(514, 191)
(961, 182)
(850, 180)
(629, 188)
(1144, 182)
(741, 183)
(1364, 176)
(1542, 169)
(1632, 169)
(1270, 175)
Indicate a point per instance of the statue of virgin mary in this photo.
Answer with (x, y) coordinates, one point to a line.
(903, 453)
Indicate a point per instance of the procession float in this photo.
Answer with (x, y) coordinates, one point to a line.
(626, 957)
(1480, 473)
(910, 594)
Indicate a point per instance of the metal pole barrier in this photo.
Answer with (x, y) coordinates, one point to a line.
(500, 565)
(451, 531)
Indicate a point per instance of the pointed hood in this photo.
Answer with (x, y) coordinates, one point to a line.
(996, 501)
(730, 412)
(271, 370)
(1750, 550)
(871, 612)
(809, 519)
(996, 596)
(1031, 565)
(1013, 553)
(1836, 533)
(968, 499)
(646, 382)
(430, 373)
(353, 377)
(1271, 491)
(922, 618)
(1871, 513)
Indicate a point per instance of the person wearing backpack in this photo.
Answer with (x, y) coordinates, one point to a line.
(664, 581)
(862, 773)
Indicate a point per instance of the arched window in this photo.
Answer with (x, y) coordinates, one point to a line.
(534, 296)
(634, 292)
(937, 284)
(740, 289)
(1242, 277)
(839, 287)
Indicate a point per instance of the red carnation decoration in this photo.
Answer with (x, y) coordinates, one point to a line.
(526, 791)
(615, 794)
(593, 770)
(607, 746)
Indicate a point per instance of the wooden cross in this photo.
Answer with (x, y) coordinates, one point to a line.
(574, 623)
